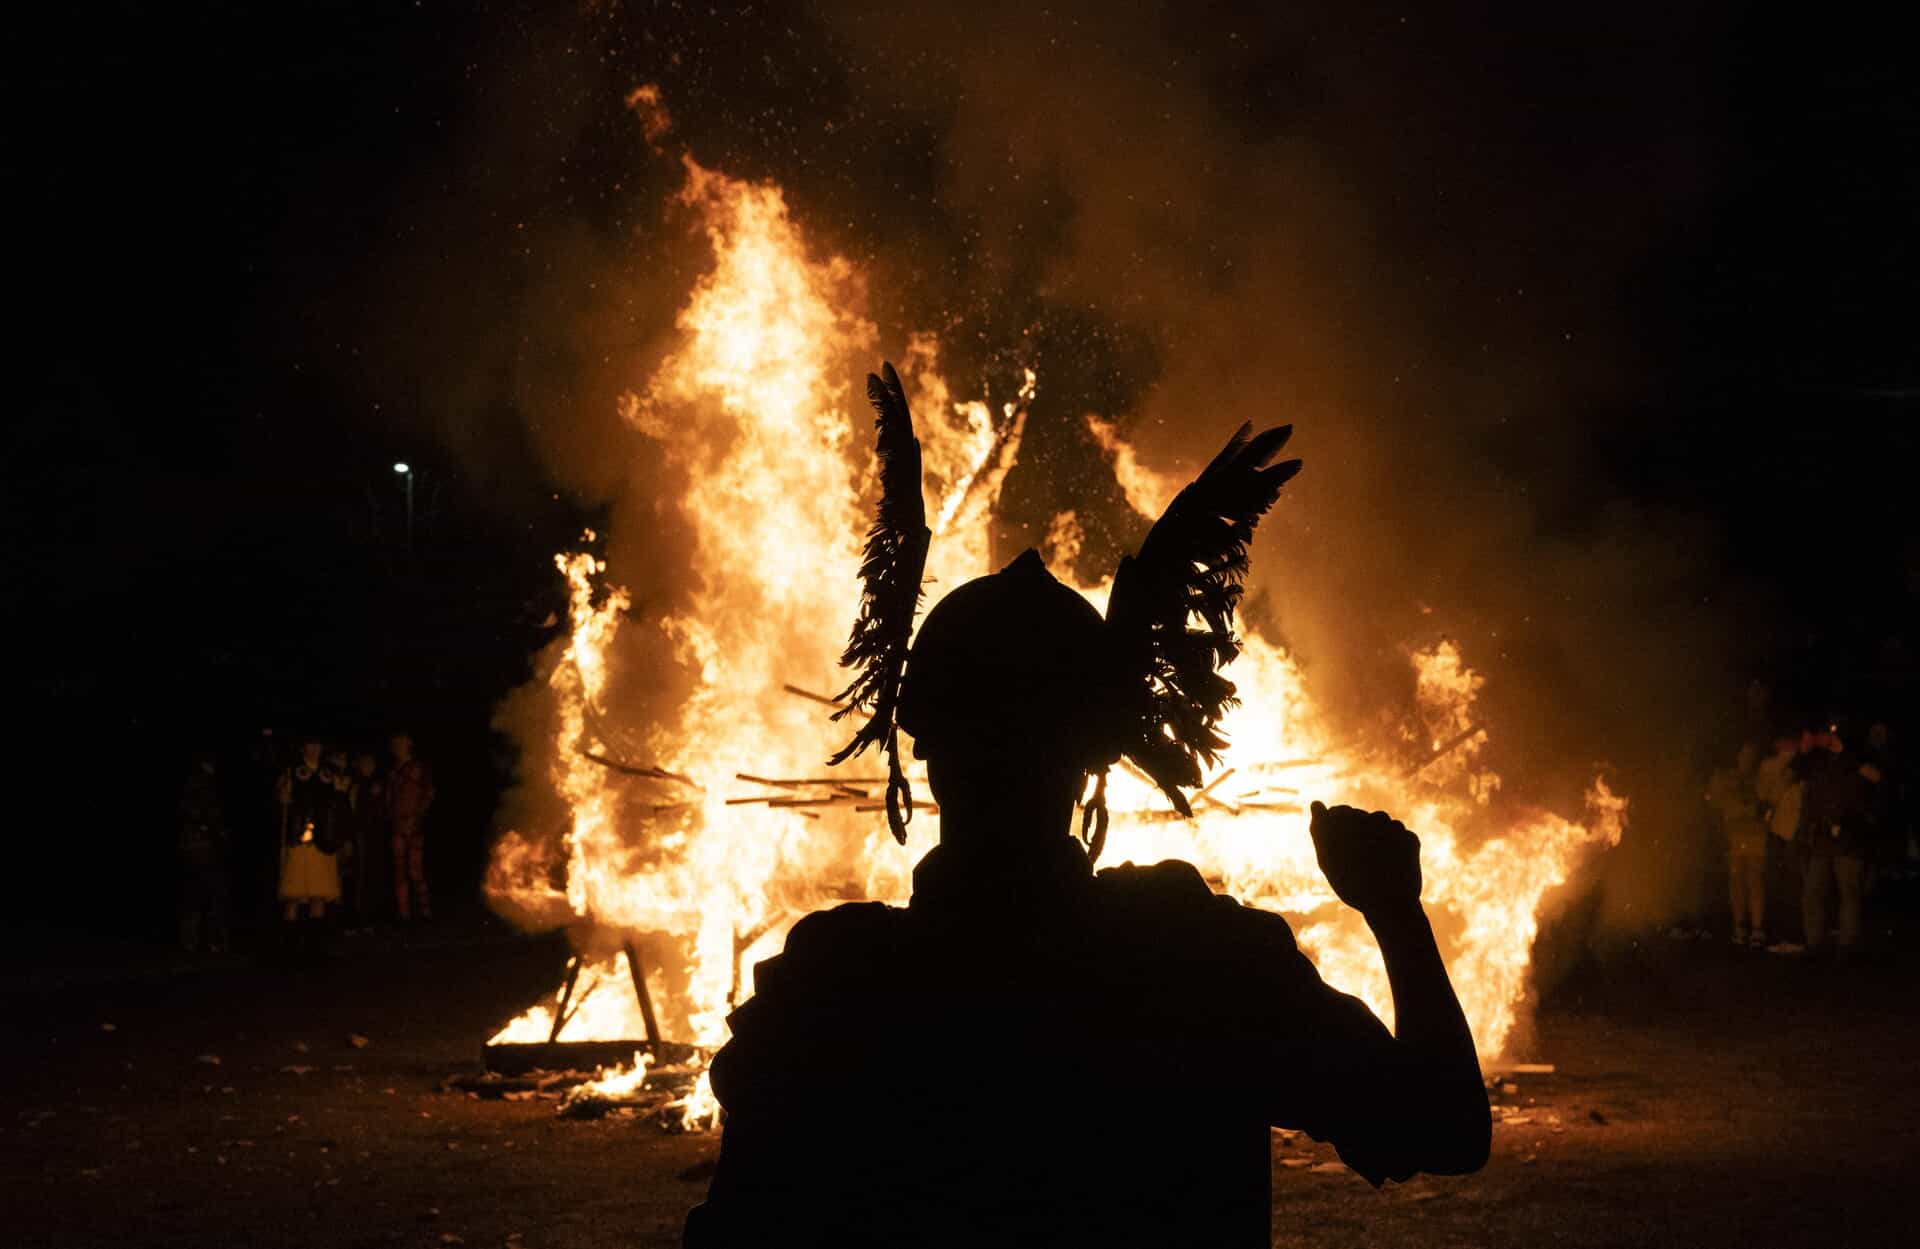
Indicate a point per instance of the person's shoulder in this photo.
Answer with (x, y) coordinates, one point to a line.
(1174, 892)
(831, 944)
(831, 959)
(825, 934)
(1171, 883)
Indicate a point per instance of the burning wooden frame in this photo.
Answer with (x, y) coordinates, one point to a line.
(516, 1058)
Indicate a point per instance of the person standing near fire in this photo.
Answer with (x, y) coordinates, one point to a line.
(1157, 1029)
(1837, 825)
(345, 852)
(1734, 794)
(369, 820)
(1780, 793)
(310, 805)
(409, 793)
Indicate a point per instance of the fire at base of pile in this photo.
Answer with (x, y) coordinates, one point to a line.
(1484, 901)
(672, 1092)
(677, 1096)
(531, 1058)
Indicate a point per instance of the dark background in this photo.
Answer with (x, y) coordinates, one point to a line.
(263, 252)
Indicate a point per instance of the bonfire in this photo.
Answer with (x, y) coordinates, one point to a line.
(697, 835)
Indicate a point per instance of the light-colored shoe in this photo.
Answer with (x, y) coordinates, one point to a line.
(1786, 947)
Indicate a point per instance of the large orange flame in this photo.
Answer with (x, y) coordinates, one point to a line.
(754, 411)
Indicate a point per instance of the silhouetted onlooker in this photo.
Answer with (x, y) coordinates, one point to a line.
(310, 805)
(1033, 1053)
(372, 853)
(409, 793)
(1734, 794)
(1781, 795)
(203, 845)
(345, 850)
(1837, 828)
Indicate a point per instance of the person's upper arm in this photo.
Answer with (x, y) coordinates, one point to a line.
(1333, 1069)
(788, 1164)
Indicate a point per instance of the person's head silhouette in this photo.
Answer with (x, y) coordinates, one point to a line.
(1017, 688)
(1011, 697)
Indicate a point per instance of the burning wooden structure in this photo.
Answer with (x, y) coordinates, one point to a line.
(712, 851)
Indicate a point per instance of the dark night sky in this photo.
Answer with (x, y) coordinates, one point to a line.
(268, 250)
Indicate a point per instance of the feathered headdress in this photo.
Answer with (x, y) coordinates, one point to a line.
(896, 559)
(1191, 570)
(1169, 620)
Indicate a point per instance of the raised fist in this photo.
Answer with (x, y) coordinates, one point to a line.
(1370, 859)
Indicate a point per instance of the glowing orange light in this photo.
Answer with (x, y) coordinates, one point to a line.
(754, 410)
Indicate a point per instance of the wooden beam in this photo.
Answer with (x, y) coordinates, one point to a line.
(646, 771)
(560, 1015)
(638, 970)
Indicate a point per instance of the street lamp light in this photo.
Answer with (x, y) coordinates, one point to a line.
(406, 470)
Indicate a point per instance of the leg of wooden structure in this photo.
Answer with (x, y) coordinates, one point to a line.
(566, 995)
(742, 942)
(638, 969)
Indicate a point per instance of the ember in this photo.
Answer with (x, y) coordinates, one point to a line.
(730, 831)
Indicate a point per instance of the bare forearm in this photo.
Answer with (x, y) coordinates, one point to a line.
(1427, 1013)
(1430, 1025)
(1428, 1086)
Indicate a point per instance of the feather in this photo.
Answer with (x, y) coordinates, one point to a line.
(1191, 570)
(890, 576)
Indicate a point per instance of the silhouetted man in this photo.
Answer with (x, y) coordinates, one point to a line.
(1838, 830)
(1032, 1053)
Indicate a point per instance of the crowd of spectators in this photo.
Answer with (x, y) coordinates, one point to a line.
(1812, 821)
(340, 838)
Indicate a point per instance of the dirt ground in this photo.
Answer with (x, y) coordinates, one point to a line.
(1702, 1097)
